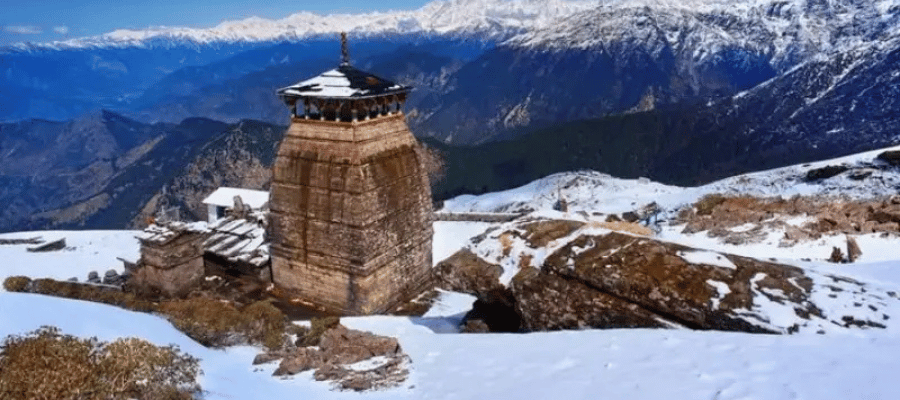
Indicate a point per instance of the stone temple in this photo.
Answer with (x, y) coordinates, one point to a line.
(351, 214)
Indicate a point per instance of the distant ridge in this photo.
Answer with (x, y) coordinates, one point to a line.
(489, 19)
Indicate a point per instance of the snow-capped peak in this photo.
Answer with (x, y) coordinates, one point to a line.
(494, 19)
(784, 30)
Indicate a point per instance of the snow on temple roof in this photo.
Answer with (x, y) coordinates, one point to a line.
(343, 82)
(224, 197)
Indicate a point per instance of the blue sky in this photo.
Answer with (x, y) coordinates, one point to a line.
(46, 20)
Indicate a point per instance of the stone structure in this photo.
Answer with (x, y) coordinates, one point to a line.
(237, 245)
(351, 216)
(171, 258)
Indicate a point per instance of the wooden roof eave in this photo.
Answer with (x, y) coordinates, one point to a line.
(290, 99)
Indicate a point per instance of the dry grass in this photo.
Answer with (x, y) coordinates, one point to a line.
(216, 323)
(707, 203)
(318, 326)
(623, 226)
(209, 321)
(79, 291)
(46, 364)
(16, 283)
(506, 243)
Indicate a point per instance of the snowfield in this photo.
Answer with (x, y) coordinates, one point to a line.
(588, 364)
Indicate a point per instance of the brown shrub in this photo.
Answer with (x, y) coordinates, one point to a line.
(45, 364)
(216, 323)
(707, 203)
(525, 260)
(317, 328)
(506, 243)
(81, 291)
(16, 283)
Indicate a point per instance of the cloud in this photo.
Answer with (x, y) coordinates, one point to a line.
(62, 30)
(24, 29)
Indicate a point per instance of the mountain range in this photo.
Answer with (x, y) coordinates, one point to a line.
(682, 92)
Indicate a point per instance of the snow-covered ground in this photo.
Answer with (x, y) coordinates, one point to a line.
(594, 192)
(591, 364)
(85, 251)
(633, 364)
(588, 364)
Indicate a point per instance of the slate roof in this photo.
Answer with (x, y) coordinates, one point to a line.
(344, 82)
(240, 239)
(160, 234)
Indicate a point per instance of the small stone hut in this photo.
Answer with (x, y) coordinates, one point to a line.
(351, 216)
(171, 257)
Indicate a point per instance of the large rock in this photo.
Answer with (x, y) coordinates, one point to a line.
(594, 278)
(468, 273)
(339, 349)
(303, 359)
(891, 157)
(694, 288)
(551, 302)
(345, 346)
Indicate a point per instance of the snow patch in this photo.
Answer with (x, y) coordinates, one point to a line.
(706, 258)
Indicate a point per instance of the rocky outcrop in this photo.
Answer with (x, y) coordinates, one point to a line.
(551, 302)
(827, 217)
(466, 272)
(353, 360)
(595, 278)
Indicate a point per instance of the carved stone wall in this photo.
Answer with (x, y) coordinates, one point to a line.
(351, 216)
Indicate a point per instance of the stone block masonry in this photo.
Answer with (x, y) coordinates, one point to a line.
(351, 217)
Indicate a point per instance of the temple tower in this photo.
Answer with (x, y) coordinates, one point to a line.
(351, 217)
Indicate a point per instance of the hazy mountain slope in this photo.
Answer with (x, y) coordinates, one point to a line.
(241, 157)
(47, 165)
(633, 55)
(209, 93)
(59, 85)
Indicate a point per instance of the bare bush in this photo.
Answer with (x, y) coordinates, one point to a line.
(218, 323)
(46, 364)
(16, 283)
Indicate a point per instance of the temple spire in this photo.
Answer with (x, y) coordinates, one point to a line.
(345, 53)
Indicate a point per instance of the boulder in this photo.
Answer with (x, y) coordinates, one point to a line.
(694, 288)
(345, 346)
(860, 174)
(550, 302)
(465, 272)
(265, 358)
(825, 172)
(340, 347)
(302, 359)
(111, 277)
(631, 216)
(891, 157)
(617, 280)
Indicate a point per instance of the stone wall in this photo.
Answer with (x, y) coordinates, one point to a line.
(351, 216)
(172, 266)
